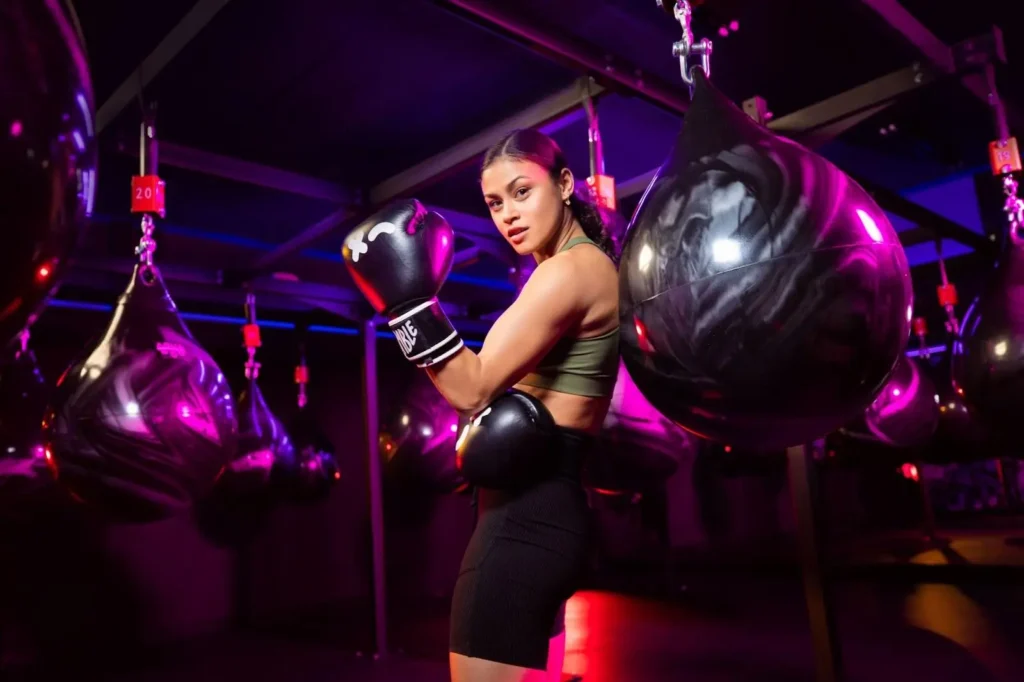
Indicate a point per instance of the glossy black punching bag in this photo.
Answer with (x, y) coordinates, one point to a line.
(317, 470)
(24, 479)
(905, 414)
(988, 358)
(418, 441)
(764, 296)
(47, 153)
(24, 394)
(262, 436)
(142, 423)
(258, 477)
(266, 458)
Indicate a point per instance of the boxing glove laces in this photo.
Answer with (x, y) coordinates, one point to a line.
(398, 259)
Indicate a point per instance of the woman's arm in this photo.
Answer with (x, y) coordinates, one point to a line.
(551, 303)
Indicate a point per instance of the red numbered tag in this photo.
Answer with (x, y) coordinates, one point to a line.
(603, 187)
(947, 294)
(148, 194)
(1004, 156)
(251, 336)
(920, 326)
(301, 374)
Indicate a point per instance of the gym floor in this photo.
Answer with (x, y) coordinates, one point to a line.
(735, 632)
(717, 627)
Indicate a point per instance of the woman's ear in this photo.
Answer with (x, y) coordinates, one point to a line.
(566, 184)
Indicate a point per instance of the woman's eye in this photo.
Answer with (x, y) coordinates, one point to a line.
(494, 205)
(522, 192)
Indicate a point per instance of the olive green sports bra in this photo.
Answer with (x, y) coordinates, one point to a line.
(586, 367)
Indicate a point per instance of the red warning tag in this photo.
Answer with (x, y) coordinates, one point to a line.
(603, 187)
(1004, 156)
(148, 194)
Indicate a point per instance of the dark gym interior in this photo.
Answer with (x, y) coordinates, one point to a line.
(890, 548)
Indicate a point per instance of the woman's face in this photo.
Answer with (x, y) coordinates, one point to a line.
(525, 203)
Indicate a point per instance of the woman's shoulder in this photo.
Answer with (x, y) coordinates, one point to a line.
(586, 271)
(589, 259)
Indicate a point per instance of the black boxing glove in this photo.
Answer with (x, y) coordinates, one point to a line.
(399, 258)
(508, 444)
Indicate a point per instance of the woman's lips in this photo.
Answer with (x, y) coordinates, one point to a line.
(517, 234)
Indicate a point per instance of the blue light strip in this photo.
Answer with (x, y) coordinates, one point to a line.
(314, 254)
(317, 328)
(234, 321)
(931, 350)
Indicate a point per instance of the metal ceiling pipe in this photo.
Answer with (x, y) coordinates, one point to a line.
(572, 53)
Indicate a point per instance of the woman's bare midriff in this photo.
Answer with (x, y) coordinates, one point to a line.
(572, 411)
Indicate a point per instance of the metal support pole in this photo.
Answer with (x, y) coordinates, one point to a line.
(821, 611)
(372, 420)
(927, 510)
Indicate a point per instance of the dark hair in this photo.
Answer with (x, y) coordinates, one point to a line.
(532, 145)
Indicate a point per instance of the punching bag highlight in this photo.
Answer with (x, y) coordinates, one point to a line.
(142, 424)
(905, 414)
(47, 153)
(764, 296)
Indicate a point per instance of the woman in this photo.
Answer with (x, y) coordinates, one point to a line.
(558, 342)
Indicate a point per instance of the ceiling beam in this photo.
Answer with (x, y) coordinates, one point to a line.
(482, 232)
(934, 50)
(939, 225)
(304, 237)
(865, 97)
(546, 114)
(173, 43)
(230, 168)
(556, 45)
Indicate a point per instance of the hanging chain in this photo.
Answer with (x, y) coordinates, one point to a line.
(1014, 206)
(147, 245)
(686, 50)
(947, 294)
(1004, 155)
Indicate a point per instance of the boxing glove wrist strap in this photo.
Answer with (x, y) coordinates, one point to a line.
(425, 334)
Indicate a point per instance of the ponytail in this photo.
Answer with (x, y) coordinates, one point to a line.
(594, 225)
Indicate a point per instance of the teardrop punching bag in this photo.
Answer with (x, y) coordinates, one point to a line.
(47, 153)
(317, 469)
(253, 483)
(24, 479)
(961, 435)
(24, 394)
(265, 456)
(256, 480)
(141, 424)
(418, 441)
(988, 358)
(764, 296)
(905, 413)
